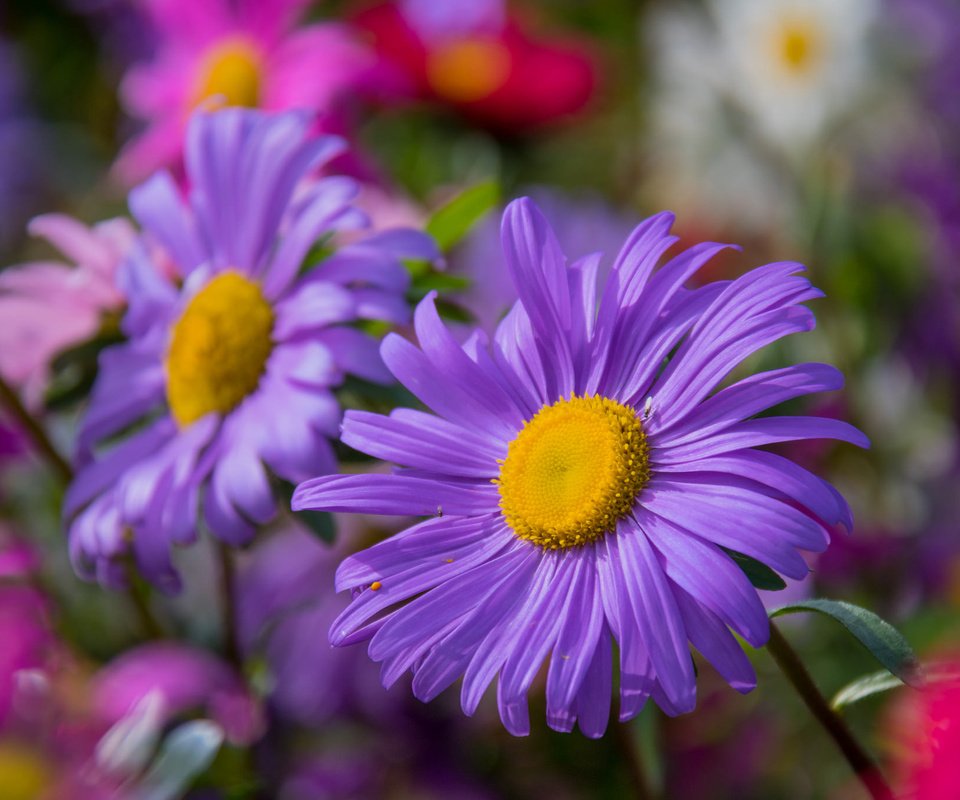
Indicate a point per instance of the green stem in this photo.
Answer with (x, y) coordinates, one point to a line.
(35, 431)
(862, 764)
(626, 742)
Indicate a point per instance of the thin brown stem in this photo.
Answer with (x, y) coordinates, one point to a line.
(228, 602)
(626, 742)
(860, 761)
(10, 400)
(140, 601)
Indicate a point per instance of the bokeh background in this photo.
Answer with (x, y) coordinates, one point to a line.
(823, 131)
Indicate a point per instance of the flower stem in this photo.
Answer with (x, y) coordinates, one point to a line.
(139, 598)
(228, 602)
(626, 742)
(862, 764)
(34, 430)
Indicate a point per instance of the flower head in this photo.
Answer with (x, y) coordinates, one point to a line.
(247, 54)
(478, 59)
(229, 366)
(794, 65)
(580, 492)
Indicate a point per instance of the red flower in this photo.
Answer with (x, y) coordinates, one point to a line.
(504, 78)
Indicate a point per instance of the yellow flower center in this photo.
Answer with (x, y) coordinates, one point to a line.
(231, 70)
(573, 470)
(799, 46)
(24, 775)
(468, 69)
(218, 348)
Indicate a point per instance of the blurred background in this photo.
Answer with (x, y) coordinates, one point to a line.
(822, 131)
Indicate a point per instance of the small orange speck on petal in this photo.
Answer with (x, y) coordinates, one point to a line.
(375, 586)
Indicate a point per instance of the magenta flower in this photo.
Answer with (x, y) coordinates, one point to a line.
(185, 679)
(48, 306)
(244, 53)
(580, 491)
(228, 369)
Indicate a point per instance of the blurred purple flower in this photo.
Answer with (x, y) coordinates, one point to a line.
(20, 166)
(232, 370)
(285, 607)
(581, 493)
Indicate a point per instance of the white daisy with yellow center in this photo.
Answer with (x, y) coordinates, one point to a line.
(794, 64)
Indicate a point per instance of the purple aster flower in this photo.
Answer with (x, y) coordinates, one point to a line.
(581, 491)
(284, 608)
(229, 373)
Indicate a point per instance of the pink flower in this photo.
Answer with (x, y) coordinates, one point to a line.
(48, 306)
(185, 678)
(924, 731)
(243, 53)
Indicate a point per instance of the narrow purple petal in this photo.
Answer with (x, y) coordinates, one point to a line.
(716, 644)
(500, 642)
(758, 432)
(746, 398)
(427, 443)
(593, 699)
(657, 614)
(708, 515)
(781, 476)
(708, 575)
(395, 495)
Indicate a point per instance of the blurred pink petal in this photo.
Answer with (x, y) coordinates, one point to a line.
(47, 307)
(187, 678)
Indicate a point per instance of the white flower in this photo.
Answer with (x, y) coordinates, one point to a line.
(793, 65)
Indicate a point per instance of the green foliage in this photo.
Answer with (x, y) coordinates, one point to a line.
(760, 575)
(450, 223)
(882, 640)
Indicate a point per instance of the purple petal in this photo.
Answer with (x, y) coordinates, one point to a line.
(394, 495)
(710, 576)
(657, 615)
(427, 442)
(711, 637)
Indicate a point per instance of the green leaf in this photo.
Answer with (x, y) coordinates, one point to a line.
(760, 575)
(866, 686)
(882, 681)
(440, 282)
(450, 223)
(186, 752)
(320, 524)
(884, 642)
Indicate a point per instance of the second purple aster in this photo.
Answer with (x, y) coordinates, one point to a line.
(232, 353)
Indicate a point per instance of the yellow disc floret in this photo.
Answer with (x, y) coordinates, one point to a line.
(573, 470)
(799, 45)
(218, 348)
(231, 72)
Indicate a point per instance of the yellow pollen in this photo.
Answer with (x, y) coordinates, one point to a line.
(468, 69)
(573, 470)
(376, 586)
(799, 44)
(231, 70)
(218, 348)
